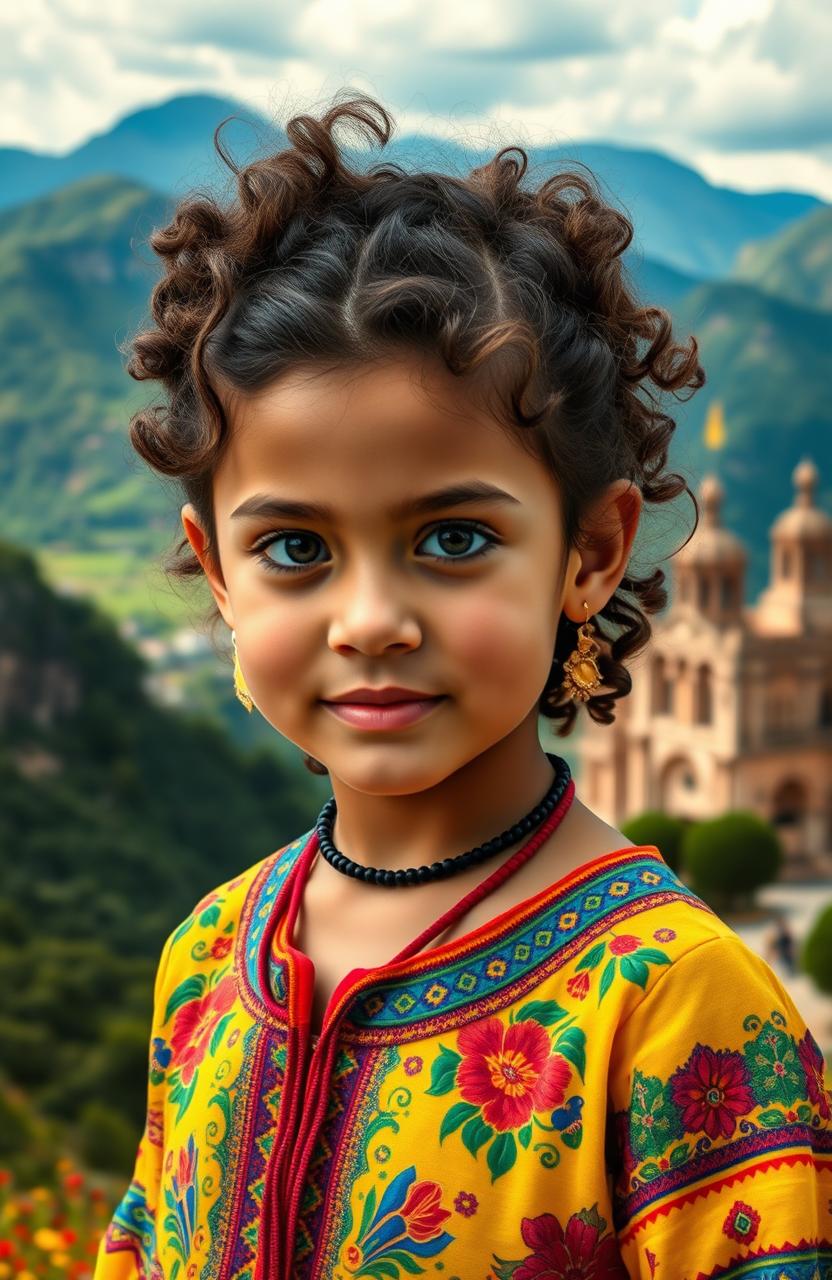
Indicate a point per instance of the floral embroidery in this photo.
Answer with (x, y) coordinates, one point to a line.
(634, 961)
(200, 1022)
(742, 1222)
(713, 1091)
(182, 1203)
(504, 1074)
(466, 1203)
(413, 1065)
(811, 1058)
(580, 1252)
(407, 1224)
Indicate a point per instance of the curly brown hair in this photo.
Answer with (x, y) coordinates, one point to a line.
(316, 262)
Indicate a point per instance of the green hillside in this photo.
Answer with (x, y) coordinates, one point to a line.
(796, 263)
(116, 817)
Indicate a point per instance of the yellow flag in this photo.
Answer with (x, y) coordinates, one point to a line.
(715, 426)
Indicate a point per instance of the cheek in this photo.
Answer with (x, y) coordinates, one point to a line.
(275, 656)
(495, 641)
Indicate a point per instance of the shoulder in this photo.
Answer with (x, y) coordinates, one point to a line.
(215, 921)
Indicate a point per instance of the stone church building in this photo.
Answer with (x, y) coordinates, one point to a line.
(731, 705)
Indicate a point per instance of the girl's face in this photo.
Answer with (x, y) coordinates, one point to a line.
(454, 598)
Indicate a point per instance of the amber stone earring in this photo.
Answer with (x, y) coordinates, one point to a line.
(580, 671)
(240, 687)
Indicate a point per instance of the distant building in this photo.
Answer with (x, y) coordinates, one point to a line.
(731, 705)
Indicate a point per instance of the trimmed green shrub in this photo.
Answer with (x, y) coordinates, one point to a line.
(816, 954)
(728, 858)
(661, 829)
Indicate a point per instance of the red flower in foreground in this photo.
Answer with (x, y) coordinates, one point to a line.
(713, 1089)
(578, 985)
(194, 1025)
(510, 1071)
(812, 1059)
(624, 944)
(423, 1212)
(574, 1254)
(221, 947)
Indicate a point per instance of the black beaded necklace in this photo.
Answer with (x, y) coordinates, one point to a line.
(447, 866)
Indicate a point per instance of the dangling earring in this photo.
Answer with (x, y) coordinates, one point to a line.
(240, 687)
(581, 674)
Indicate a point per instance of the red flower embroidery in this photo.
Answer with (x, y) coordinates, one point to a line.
(574, 1254)
(510, 1071)
(154, 1126)
(624, 944)
(578, 986)
(813, 1064)
(712, 1089)
(222, 946)
(194, 1025)
(422, 1211)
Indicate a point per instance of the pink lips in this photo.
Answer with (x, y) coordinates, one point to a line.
(390, 715)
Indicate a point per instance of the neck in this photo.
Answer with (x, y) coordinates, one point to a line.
(470, 805)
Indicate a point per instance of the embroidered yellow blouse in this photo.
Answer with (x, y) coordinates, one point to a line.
(604, 1081)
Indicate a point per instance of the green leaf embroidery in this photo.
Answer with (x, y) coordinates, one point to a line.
(367, 1215)
(458, 1114)
(771, 1119)
(501, 1155)
(525, 1135)
(443, 1072)
(651, 955)
(571, 1044)
(546, 1012)
(191, 989)
(606, 979)
(592, 958)
(475, 1132)
(634, 970)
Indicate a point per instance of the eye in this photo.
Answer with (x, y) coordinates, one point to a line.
(457, 541)
(297, 542)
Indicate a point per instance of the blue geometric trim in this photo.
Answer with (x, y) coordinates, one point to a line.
(491, 967)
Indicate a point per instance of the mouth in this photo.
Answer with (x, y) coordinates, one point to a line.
(384, 715)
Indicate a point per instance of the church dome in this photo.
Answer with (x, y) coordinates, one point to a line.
(712, 544)
(803, 520)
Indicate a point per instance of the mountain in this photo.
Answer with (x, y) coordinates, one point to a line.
(681, 219)
(795, 263)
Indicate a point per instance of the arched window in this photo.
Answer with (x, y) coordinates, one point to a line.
(662, 698)
(704, 710)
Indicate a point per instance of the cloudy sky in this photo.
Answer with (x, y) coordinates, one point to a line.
(741, 89)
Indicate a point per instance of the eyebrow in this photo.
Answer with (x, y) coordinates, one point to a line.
(270, 506)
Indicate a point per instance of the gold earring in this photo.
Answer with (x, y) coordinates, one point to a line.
(240, 687)
(581, 674)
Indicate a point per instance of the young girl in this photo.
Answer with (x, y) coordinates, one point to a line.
(461, 1027)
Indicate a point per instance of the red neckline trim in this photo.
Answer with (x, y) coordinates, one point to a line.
(293, 888)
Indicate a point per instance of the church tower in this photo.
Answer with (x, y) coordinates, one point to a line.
(798, 599)
(709, 570)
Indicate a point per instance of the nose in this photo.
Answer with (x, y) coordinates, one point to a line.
(372, 614)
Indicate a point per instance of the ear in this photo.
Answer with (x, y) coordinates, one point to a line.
(198, 539)
(601, 561)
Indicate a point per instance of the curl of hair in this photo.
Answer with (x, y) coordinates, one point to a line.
(316, 263)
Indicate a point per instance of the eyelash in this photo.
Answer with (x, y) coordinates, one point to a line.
(471, 525)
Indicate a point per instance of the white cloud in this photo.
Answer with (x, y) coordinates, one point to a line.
(740, 88)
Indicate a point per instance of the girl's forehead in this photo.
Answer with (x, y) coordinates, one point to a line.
(389, 428)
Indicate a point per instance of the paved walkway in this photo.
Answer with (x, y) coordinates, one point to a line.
(801, 905)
